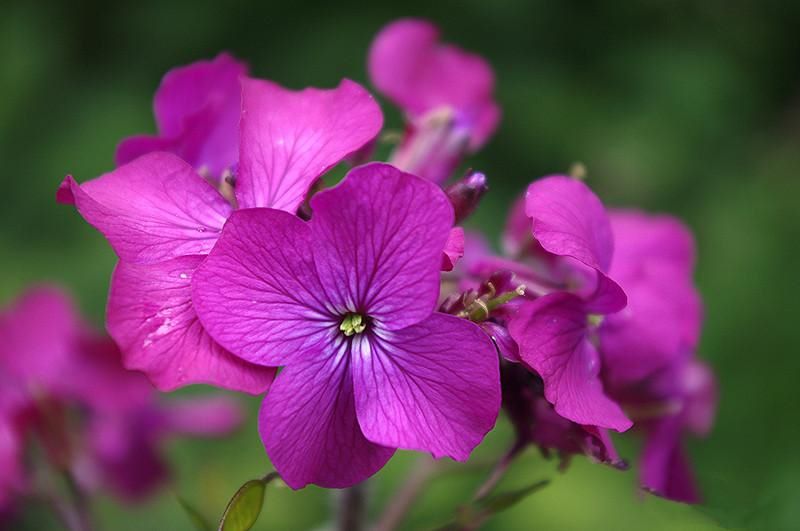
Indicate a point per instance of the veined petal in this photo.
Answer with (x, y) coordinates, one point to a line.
(552, 336)
(309, 428)
(258, 292)
(290, 138)
(151, 317)
(153, 209)
(432, 387)
(569, 220)
(378, 241)
(197, 110)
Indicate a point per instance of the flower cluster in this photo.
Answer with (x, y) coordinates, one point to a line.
(393, 328)
(66, 399)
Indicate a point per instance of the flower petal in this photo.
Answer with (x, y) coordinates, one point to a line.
(665, 469)
(453, 248)
(203, 416)
(290, 138)
(407, 64)
(197, 109)
(153, 209)
(309, 428)
(569, 220)
(433, 387)
(258, 293)
(151, 317)
(551, 334)
(379, 237)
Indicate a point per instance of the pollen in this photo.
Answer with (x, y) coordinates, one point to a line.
(353, 323)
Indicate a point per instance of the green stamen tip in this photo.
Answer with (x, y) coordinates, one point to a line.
(353, 323)
(595, 319)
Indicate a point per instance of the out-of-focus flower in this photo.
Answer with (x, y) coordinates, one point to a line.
(346, 302)
(197, 110)
(63, 386)
(446, 93)
(162, 218)
(648, 348)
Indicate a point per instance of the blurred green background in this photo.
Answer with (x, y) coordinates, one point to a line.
(691, 108)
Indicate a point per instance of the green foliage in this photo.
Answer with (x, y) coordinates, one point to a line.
(245, 506)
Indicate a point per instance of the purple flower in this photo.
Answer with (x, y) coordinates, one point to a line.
(653, 262)
(346, 302)
(446, 92)
(67, 387)
(648, 348)
(162, 217)
(197, 110)
(554, 332)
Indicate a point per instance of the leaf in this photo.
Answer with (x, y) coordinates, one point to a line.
(244, 508)
(198, 520)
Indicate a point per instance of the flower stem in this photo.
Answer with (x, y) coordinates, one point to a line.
(498, 471)
(352, 508)
(397, 509)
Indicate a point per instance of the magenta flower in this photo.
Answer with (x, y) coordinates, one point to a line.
(346, 302)
(648, 348)
(554, 331)
(653, 262)
(446, 92)
(197, 109)
(68, 389)
(162, 217)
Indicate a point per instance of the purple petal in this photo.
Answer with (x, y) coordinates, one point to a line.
(665, 469)
(700, 388)
(151, 316)
(552, 336)
(197, 110)
(258, 293)
(309, 428)
(453, 248)
(641, 238)
(153, 209)
(659, 326)
(125, 454)
(379, 237)
(433, 387)
(27, 355)
(407, 64)
(569, 220)
(503, 341)
(290, 138)
(12, 475)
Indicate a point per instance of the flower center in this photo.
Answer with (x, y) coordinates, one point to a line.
(353, 323)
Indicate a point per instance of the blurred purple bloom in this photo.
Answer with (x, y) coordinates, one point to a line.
(162, 217)
(67, 387)
(346, 302)
(447, 94)
(197, 110)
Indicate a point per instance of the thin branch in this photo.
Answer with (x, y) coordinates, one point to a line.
(398, 507)
(498, 471)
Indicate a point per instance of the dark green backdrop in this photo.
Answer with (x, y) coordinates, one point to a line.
(687, 107)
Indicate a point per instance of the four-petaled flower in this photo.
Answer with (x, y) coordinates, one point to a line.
(346, 302)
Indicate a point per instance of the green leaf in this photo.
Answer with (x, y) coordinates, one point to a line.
(244, 508)
(198, 520)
